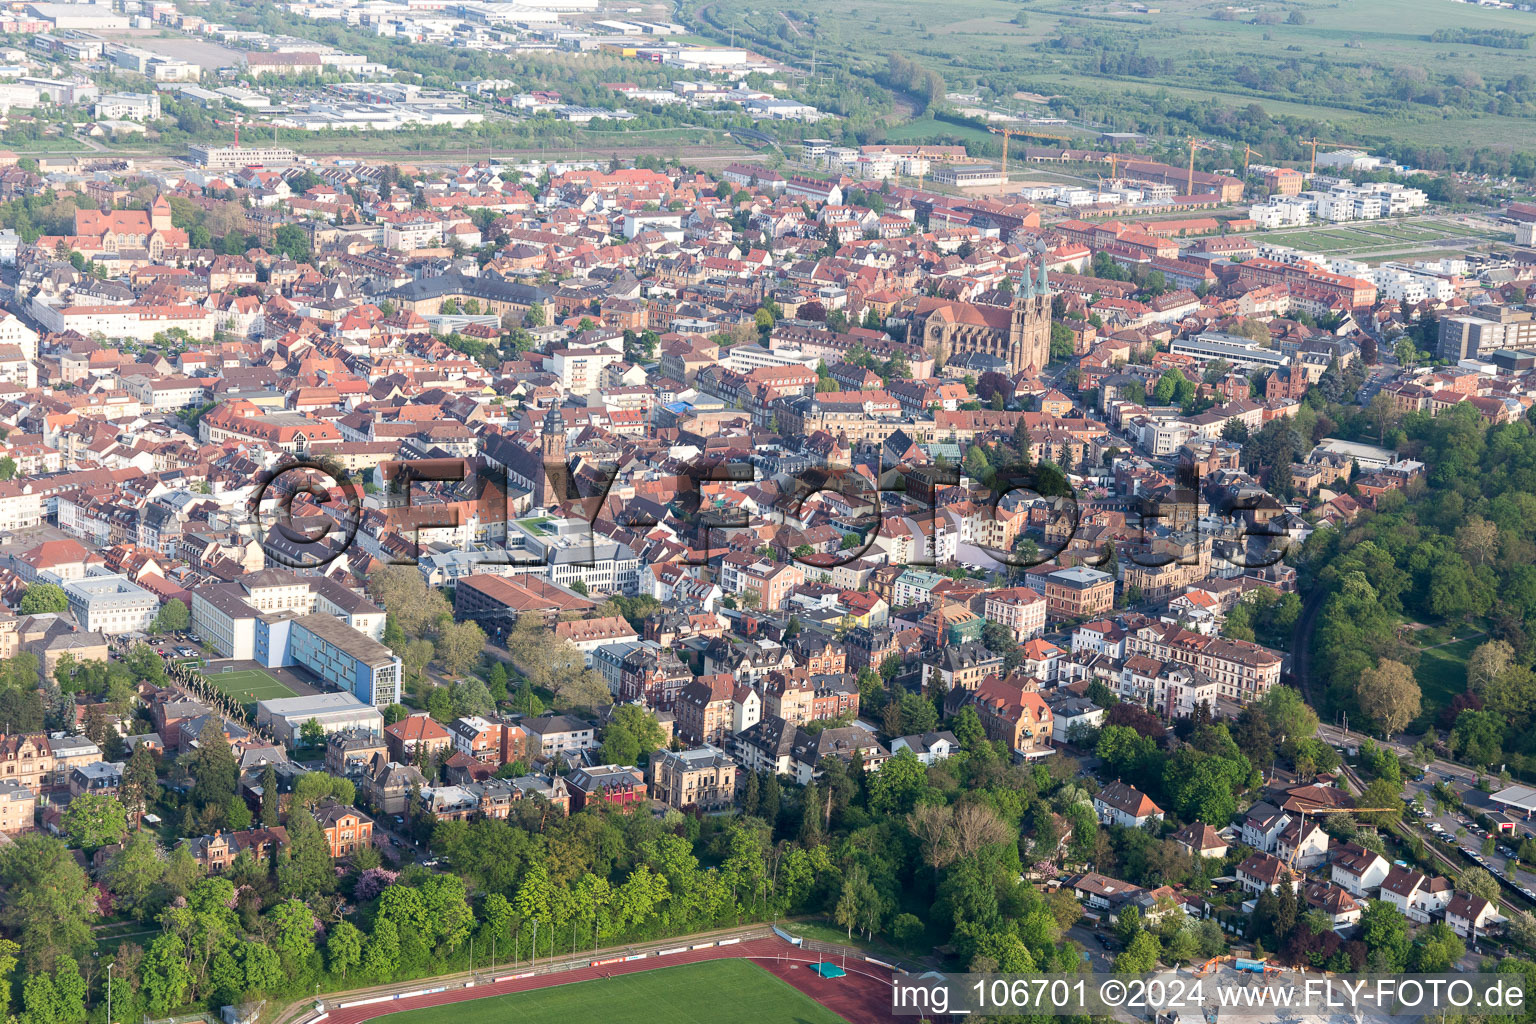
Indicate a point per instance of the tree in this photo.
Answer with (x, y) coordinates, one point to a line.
(141, 785)
(47, 906)
(1478, 882)
(307, 871)
(344, 947)
(459, 647)
(1384, 931)
(173, 617)
(631, 732)
(1477, 737)
(858, 905)
(312, 733)
(292, 241)
(165, 977)
(134, 874)
(1489, 661)
(381, 955)
(1389, 695)
(212, 766)
(43, 598)
(1140, 956)
(1289, 716)
(92, 821)
(7, 468)
(269, 796)
(471, 697)
(293, 935)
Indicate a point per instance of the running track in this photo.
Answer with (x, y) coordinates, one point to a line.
(863, 996)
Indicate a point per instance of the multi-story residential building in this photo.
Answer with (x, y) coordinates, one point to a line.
(703, 778)
(27, 760)
(705, 711)
(1018, 609)
(1472, 917)
(807, 751)
(587, 635)
(18, 805)
(1242, 671)
(1078, 593)
(346, 829)
(418, 731)
(1263, 872)
(1016, 716)
(1358, 870)
(769, 583)
(559, 734)
(111, 604)
(619, 785)
(215, 853)
(1122, 804)
(352, 751)
(1417, 896)
(960, 666)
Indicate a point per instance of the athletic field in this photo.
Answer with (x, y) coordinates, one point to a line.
(711, 992)
(249, 685)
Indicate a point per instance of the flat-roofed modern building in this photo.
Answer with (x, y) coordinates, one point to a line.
(111, 603)
(226, 614)
(335, 712)
(345, 658)
(1234, 348)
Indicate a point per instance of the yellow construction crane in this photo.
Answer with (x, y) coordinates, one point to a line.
(1248, 153)
(1008, 132)
(1194, 144)
(1313, 143)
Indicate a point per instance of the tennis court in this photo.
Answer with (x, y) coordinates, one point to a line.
(250, 685)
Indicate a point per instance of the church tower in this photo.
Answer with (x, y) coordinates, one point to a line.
(1029, 332)
(548, 488)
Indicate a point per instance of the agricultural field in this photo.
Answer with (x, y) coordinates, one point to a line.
(1354, 71)
(668, 996)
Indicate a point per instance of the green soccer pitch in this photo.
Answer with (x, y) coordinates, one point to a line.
(249, 685)
(712, 992)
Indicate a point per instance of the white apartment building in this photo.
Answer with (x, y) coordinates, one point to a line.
(110, 603)
(137, 323)
(14, 332)
(1283, 212)
(128, 106)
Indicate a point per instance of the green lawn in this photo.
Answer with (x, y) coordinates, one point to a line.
(1442, 671)
(250, 685)
(713, 992)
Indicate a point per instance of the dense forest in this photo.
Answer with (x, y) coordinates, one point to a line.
(1458, 547)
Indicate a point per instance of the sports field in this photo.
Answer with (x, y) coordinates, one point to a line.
(712, 992)
(249, 685)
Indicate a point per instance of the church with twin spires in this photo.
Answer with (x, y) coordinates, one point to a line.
(1019, 335)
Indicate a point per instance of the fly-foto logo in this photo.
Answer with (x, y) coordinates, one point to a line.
(1168, 524)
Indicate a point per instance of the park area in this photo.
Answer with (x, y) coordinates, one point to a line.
(249, 685)
(712, 992)
(1442, 670)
